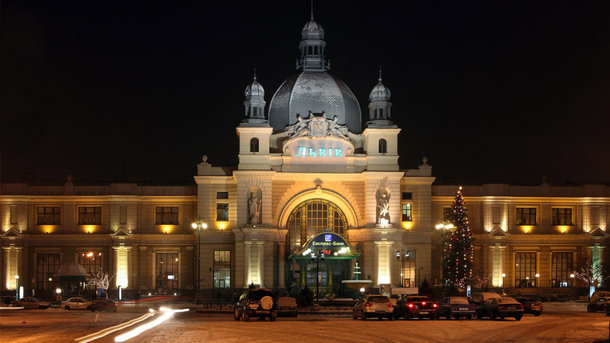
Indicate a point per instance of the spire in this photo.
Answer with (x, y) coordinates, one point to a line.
(379, 74)
(311, 16)
(254, 76)
(312, 46)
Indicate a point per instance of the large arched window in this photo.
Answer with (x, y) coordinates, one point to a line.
(383, 146)
(254, 145)
(312, 217)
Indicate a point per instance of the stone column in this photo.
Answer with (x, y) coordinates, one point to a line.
(281, 265)
(260, 247)
(247, 266)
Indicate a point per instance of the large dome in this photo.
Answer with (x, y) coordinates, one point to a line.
(317, 92)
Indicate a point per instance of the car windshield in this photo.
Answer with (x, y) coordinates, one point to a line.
(379, 299)
(259, 294)
(459, 301)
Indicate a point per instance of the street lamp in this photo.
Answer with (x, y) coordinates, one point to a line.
(537, 276)
(17, 287)
(503, 276)
(317, 259)
(198, 224)
(444, 227)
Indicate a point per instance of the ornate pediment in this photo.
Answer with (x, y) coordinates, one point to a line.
(121, 233)
(317, 125)
(11, 233)
(498, 232)
(598, 233)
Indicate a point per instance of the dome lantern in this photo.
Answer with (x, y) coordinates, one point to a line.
(380, 105)
(254, 104)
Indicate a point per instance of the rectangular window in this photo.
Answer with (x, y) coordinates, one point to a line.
(407, 195)
(167, 215)
(89, 216)
(525, 269)
(222, 195)
(561, 268)
(91, 261)
(166, 272)
(123, 215)
(447, 214)
(562, 216)
(406, 213)
(46, 267)
(13, 214)
(526, 216)
(222, 269)
(408, 268)
(222, 212)
(48, 216)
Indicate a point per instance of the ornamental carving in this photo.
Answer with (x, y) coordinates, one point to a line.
(317, 125)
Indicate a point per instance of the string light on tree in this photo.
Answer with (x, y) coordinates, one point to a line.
(458, 248)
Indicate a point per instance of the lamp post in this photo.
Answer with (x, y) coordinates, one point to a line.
(198, 224)
(17, 287)
(503, 277)
(317, 259)
(537, 276)
(443, 227)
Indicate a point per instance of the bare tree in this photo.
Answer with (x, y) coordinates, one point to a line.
(100, 280)
(590, 273)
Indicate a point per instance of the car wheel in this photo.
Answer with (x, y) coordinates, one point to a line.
(539, 313)
(457, 317)
(518, 317)
(354, 317)
(245, 316)
(492, 316)
(272, 318)
(67, 307)
(363, 316)
(391, 318)
(236, 314)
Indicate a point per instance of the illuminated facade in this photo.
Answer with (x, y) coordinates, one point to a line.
(310, 180)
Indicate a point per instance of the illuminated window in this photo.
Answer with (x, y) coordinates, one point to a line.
(89, 216)
(310, 218)
(222, 269)
(166, 271)
(562, 216)
(406, 213)
(48, 216)
(561, 268)
(91, 261)
(222, 212)
(407, 263)
(526, 216)
(383, 146)
(167, 215)
(46, 267)
(525, 269)
(254, 145)
(222, 195)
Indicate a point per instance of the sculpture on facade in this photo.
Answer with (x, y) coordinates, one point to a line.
(383, 206)
(317, 125)
(254, 208)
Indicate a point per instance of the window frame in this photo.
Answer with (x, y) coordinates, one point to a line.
(224, 215)
(165, 215)
(55, 216)
(525, 276)
(406, 217)
(383, 146)
(559, 217)
(524, 218)
(218, 267)
(96, 215)
(560, 273)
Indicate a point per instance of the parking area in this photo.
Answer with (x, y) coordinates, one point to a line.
(559, 323)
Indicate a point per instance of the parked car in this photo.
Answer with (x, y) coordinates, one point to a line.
(500, 307)
(287, 306)
(456, 307)
(599, 294)
(416, 306)
(103, 305)
(31, 303)
(374, 305)
(255, 302)
(76, 303)
(479, 298)
(530, 305)
(599, 305)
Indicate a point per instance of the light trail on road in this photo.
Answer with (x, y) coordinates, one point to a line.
(167, 314)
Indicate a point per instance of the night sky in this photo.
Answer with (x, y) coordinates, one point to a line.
(489, 91)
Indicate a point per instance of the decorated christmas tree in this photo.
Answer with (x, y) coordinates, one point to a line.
(458, 247)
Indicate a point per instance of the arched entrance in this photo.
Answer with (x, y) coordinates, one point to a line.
(312, 217)
(318, 227)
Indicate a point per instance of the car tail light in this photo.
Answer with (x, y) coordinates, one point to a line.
(390, 305)
(434, 305)
(410, 305)
(500, 307)
(423, 303)
(368, 304)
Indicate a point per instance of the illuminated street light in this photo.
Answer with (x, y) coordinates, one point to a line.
(17, 287)
(198, 224)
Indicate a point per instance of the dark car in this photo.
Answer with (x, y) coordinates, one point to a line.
(287, 306)
(416, 306)
(456, 307)
(530, 305)
(599, 305)
(255, 302)
(103, 305)
(500, 308)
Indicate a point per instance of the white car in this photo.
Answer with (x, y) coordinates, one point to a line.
(76, 303)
